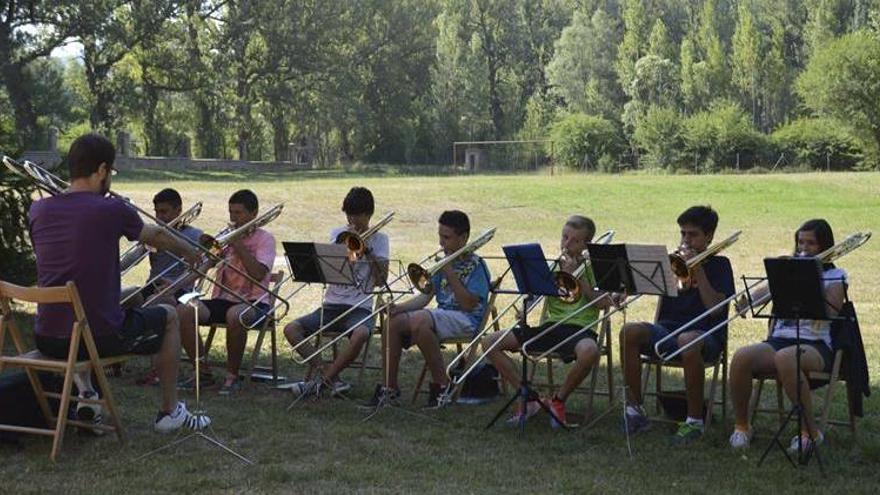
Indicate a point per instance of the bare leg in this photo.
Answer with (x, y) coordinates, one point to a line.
(167, 360)
(499, 358)
(632, 337)
(756, 359)
(586, 355)
(786, 366)
(398, 327)
(422, 328)
(185, 316)
(694, 374)
(358, 338)
(236, 341)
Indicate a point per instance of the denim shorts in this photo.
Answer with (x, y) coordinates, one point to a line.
(311, 322)
(712, 345)
(779, 343)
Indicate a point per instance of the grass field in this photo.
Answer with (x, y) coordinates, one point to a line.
(323, 447)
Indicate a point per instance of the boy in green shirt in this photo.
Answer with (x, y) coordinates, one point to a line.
(577, 232)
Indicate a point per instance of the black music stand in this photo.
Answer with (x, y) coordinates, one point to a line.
(317, 263)
(631, 269)
(533, 278)
(798, 292)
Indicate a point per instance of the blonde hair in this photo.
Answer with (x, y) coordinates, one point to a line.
(581, 222)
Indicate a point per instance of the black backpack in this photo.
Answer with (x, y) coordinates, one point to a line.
(481, 383)
(19, 406)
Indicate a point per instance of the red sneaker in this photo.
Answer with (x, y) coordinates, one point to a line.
(558, 408)
(151, 378)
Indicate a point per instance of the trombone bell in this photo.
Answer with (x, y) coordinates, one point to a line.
(569, 288)
(420, 278)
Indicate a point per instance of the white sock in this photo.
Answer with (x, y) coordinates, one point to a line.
(694, 421)
(634, 410)
(83, 381)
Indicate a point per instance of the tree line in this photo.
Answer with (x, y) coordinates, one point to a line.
(662, 84)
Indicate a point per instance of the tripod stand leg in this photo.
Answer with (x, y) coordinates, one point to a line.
(777, 442)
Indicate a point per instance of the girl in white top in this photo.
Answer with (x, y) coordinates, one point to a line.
(777, 355)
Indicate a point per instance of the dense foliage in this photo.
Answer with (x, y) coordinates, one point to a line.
(698, 85)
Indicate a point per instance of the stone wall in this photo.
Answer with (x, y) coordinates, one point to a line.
(183, 163)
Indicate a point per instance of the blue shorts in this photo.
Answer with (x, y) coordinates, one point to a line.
(311, 322)
(779, 343)
(712, 345)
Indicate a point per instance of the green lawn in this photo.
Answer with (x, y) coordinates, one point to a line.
(325, 447)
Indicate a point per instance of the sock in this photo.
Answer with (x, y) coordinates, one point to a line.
(634, 411)
(694, 421)
(83, 381)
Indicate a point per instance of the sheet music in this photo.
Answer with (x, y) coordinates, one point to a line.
(652, 272)
(334, 263)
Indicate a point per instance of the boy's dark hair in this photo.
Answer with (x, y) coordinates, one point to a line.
(87, 153)
(703, 217)
(246, 198)
(359, 200)
(581, 222)
(822, 229)
(457, 220)
(168, 196)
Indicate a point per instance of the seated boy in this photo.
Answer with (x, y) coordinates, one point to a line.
(709, 284)
(577, 232)
(462, 290)
(370, 270)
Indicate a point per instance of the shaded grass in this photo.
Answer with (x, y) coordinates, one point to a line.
(324, 447)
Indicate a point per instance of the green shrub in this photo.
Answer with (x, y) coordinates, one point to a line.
(16, 256)
(658, 133)
(584, 140)
(820, 143)
(716, 137)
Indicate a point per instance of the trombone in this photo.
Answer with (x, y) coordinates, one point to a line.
(761, 289)
(421, 277)
(138, 251)
(381, 307)
(416, 275)
(683, 267)
(54, 185)
(212, 257)
(357, 243)
(686, 270)
(564, 285)
(357, 246)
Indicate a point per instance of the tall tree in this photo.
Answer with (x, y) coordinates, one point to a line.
(29, 31)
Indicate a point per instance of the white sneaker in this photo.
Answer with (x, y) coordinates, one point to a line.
(808, 443)
(168, 422)
(340, 387)
(90, 412)
(741, 439)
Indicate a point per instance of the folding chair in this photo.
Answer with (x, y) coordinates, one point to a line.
(604, 343)
(719, 367)
(361, 364)
(820, 379)
(33, 361)
(266, 326)
(459, 347)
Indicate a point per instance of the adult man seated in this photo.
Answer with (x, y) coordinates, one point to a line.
(254, 254)
(461, 288)
(76, 238)
(710, 283)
